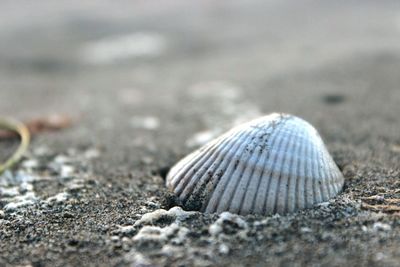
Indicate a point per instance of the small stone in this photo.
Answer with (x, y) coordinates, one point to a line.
(305, 230)
(2, 214)
(114, 238)
(214, 229)
(66, 170)
(223, 249)
(378, 226)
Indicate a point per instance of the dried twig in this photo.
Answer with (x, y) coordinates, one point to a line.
(23, 132)
(37, 125)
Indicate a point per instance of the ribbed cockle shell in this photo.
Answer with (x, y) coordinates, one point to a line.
(274, 164)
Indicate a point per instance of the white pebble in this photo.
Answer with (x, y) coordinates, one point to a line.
(223, 249)
(59, 198)
(378, 226)
(176, 212)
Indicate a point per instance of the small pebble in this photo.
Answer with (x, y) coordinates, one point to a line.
(378, 226)
(115, 238)
(223, 249)
(305, 230)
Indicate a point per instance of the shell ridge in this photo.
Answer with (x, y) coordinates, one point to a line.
(225, 162)
(290, 165)
(277, 120)
(202, 166)
(198, 163)
(282, 174)
(235, 177)
(321, 179)
(247, 204)
(173, 176)
(189, 161)
(325, 177)
(269, 196)
(301, 179)
(316, 188)
(336, 183)
(258, 193)
(203, 181)
(254, 182)
(308, 195)
(331, 178)
(239, 191)
(311, 177)
(292, 198)
(262, 149)
(339, 177)
(193, 160)
(220, 186)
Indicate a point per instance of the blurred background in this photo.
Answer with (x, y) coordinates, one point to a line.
(156, 73)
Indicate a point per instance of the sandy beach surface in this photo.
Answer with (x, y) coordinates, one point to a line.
(147, 82)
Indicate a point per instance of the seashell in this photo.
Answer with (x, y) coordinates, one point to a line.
(274, 164)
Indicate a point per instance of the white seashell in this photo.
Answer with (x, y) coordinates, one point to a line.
(274, 164)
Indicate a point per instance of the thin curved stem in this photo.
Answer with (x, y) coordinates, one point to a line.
(23, 132)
